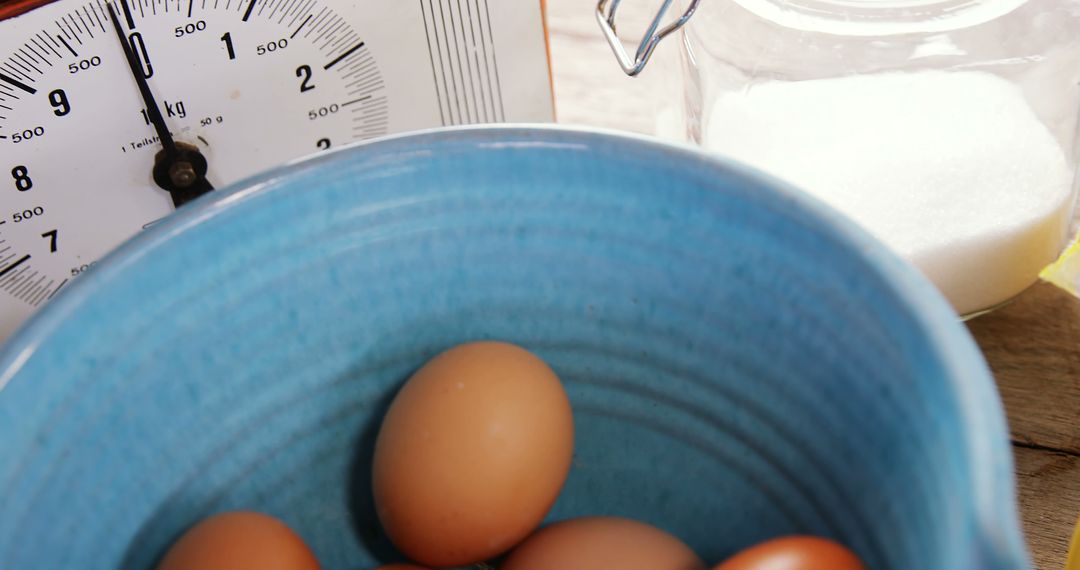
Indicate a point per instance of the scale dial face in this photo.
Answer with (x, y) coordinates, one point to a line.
(250, 84)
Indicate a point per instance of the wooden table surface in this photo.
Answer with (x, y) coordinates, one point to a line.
(1032, 344)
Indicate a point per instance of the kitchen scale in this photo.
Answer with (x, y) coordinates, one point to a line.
(113, 114)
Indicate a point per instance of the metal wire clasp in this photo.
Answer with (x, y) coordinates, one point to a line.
(633, 66)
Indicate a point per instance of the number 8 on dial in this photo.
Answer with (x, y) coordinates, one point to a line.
(22, 178)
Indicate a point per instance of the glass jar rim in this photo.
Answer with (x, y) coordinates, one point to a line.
(879, 17)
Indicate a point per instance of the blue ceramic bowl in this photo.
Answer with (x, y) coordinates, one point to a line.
(743, 363)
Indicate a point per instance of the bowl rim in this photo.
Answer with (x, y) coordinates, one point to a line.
(980, 409)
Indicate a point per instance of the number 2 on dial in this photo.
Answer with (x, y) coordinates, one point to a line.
(304, 73)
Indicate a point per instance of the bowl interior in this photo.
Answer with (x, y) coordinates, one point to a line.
(741, 363)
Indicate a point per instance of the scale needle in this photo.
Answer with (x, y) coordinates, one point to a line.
(179, 168)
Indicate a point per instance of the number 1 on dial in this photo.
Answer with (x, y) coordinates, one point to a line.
(227, 38)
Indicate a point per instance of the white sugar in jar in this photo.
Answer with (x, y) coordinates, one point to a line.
(947, 128)
(953, 170)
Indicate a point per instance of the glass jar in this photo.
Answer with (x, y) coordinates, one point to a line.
(947, 128)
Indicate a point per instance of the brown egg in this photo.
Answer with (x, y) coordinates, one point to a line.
(592, 543)
(794, 553)
(239, 541)
(472, 454)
